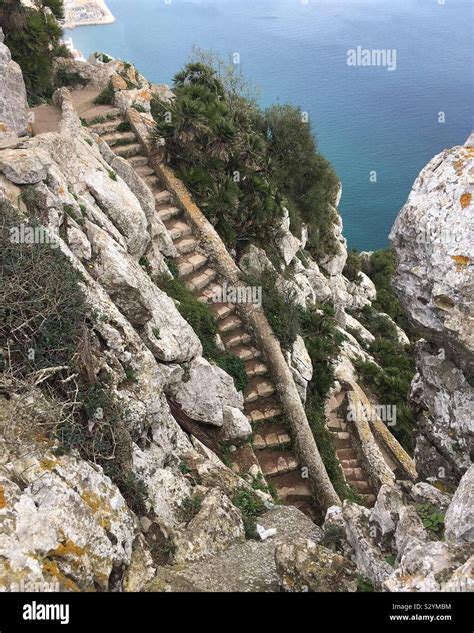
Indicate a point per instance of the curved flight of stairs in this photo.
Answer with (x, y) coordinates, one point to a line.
(271, 450)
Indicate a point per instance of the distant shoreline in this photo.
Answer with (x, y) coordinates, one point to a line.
(71, 21)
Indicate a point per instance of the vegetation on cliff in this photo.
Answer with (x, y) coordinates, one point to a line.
(33, 36)
(46, 335)
(244, 164)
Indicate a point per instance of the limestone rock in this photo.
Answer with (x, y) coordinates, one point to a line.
(368, 557)
(235, 424)
(459, 519)
(24, 167)
(305, 566)
(430, 567)
(13, 102)
(334, 265)
(204, 404)
(67, 523)
(387, 509)
(244, 566)
(433, 241)
(423, 492)
(301, 366)
(216, 526)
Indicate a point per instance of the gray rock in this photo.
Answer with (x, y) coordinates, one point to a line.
(305, 566)
(216, 526)
(459, 519)
(13, 101)
(25, 166)
(235, 424)
(243, 567)
(386, 511)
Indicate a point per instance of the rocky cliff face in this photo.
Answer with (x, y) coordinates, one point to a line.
(433, 241)
(68, 525)
(13, 103)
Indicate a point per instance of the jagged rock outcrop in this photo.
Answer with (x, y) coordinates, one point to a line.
(13, 102)
(306, 566)
(432, 238)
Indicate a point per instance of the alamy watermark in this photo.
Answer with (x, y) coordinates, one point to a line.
(384, 58)
(373, 412)
(238, 294)
(25, 234)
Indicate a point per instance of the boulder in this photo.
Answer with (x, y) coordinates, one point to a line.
(235, 424)
(203, 390)
(217, 525)
(386, 511)
(305, 566)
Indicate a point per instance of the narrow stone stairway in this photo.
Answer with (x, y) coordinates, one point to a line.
(272, 453)
(352, 468)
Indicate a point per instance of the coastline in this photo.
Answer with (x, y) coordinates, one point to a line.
(70, 22)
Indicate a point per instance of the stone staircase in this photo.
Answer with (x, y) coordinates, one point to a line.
(354, 473)
(270, 452)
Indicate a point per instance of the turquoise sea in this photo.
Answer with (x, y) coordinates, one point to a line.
(366, 118)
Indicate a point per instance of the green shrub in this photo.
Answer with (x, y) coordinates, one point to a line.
(200, 318)
(45, 324)
(67, 78)
(243, 164)
(124, 126)
(353, 266)
(432, 519)
(280, 308)
(250, 507)
(106, 96)
(33, 36)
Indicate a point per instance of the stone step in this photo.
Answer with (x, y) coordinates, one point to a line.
(222, 310)
(186, 245)
(255, 368)
(178, 228)
(107, 127)
(151, 181)
(127, 151)
(119, 138)
(200, 279)
(190, 263)
(232, 322)
(263, 409)
(164, 197)
(342, 443)
(336, 425)
(209, 294)
(243, 459)
(103, 112)
(145, 170)
(360, 486)
(137, 161)
(169, 212)
(246, 352)
(270, 435)
(258, 388)
(276, 461)
(236, 337)
(346, 453)
(354, 473)
(291, 487)
(349, 463)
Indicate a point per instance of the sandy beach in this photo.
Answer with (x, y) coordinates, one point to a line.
(86, 12)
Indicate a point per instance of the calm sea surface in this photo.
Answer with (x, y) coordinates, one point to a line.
(366, 119)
